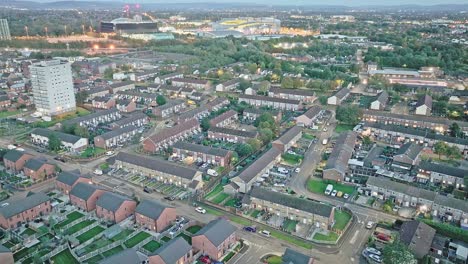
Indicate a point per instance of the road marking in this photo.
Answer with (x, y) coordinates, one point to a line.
(248, 260)
(353, 239)
(352, 259)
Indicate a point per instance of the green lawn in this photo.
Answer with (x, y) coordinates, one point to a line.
(290, 225)
(70, 218)
(231, 202)
(308, 136)
(28, 232)
(341, 219)
(319, 186)
(342, 128)
(4, 114)
(274, 260)
(90, 234)
(122, 234)
(219, 188)
(332, 236)
(136, 239)
(186, 237)
(152, 246)
(220, 198)
(91, 152)
(255, 213)
(97, 244)
(79, 226)
(292, 159)
(64, 257)
(112, 251)
(194, 229)
(94, 260)
(166, 239)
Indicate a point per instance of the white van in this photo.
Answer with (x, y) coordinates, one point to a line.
(265, 233)
(329, 189)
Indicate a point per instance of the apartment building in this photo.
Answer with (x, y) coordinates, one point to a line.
(288, 139)
(224, 119)
(103, 102)
(154, 215)
(14, 160)
(231, 135)
(273, 102)
(114, 208)
(25, 210)
(306, 96)
(38, 169)
(52, 87)
(167, 137)
(215, 156)
(117, 137)
(336, 168)
(125, 105)
(72, 143)
(215, 238)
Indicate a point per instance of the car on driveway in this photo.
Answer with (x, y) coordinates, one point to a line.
(252, 229)
(200, 210)
(371, 250)
(205, 259)
(375, 258)
(334, 193)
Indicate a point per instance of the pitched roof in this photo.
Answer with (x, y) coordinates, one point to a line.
(34, 164)
(84, 190)
(451, 202)
(91, 116)
(289, 135)
(168, 132)
(269, 99)
(417, 236)
(313, 112)
(384, 183)
(130, 118)
(342, 152)
(151, 209)
(443, 169)
(224, 116)
(189, 80)
(157, 165)
(217, 231)
(193, 113)
(13, 155)
(69, 138)
(424, 100)
(111, 201)
(218, 101)
(234, 132)
(128, 256)
(410, 149)
(172, 251)
(257, 166)
(118, 132)
(291, 256)
(421, 118)
(120, 84)
(170, 104)
(292, 202)
(342, 93)
(301, 92)
(24, 204)
(382, 98)
(68, 178)
(219, 152)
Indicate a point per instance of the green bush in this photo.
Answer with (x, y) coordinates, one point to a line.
(448, 230)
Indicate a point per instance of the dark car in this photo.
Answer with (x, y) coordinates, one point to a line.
(169, 198)
(252, 229)
(147, 190)
(60, 159)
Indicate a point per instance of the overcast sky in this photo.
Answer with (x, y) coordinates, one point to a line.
(296, 2)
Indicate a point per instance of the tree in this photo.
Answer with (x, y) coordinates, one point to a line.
(252, 68)
(287, 82)
(440, 148)
(205, 124)
(81, 97)
(264, 86)
(455, 130)
(244, 84)
(160, 100)
(244, 149)
(366, 141)
(453, 152)
(54, 142)
(323, 99)
(265, 135)
(348, 114)
(398, 253)
(108, 73)
(81, 131)
(254, 143)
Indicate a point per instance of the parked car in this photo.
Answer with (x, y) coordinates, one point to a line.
(252, 229)
(369, 225)
(205, 259)
(265, 233)
(60, 159)
(375, 258)
(110, 153)
(297, 170)
(179, 219)
(147, 190)
(98, 172)
(374, 251)
(334, 193)
(200, 210)
(169, 198)
(346, 196)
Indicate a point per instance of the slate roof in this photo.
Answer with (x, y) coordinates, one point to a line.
(417, 236)
(128, 256)
(151, 209)
(234, 132)
(269, 99)
(289, 135)
(451, 202)
(69, 138)
(424, 100)
(13, 155)
(24, 204)
(382, 98)
(120, 84)
(257, 166)
(292, 91)
(68, 178)
(217, 102)
(130, 118)
(443, 169)
(224, 116)
(217, 231)
(193, 113)
(157, 165)
(342, 93)
(111, 201)
(342, 152)
(172, 251)
(187, 80)
(313, 112)
(84, 190)
(410, 149)
(170, 104)
(421, 118)
(34, 164)
(292, 202)
(291, 256)
(388, 184)
(168, 132)
(219, 152)
(118, 132)
(91, 116)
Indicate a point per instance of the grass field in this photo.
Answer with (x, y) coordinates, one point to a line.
(274, 260)
(92, 152)
(136, 239)
(342, 128)
(112, 251)
(60, 118)
(255, 213)
(166, 239)
(332, 236)
(220, 198)
(219, 188)
(289, 225)
(70, 218)
(152, 246)
(79, 226)
(28, 232)
(90, 234)
(97, 244)
(186, 237)
(64, 257)
(4, 114)
(341, 219)
(122, 234)
(194, 229)
(319, 186)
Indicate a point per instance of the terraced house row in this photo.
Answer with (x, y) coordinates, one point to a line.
(32, 167)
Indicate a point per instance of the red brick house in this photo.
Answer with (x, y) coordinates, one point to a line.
(15, 159)
(5, 102)
(224, 119)
(103, 102)
(24, 100)
(216, 156)
(85, 196)
(154, 216)
(169, 136)
(115, 208)
(38, 170)
(24, 210)
(175, 251)
(215, 239)
(6, 256)
(67, 180)
(126, 106)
